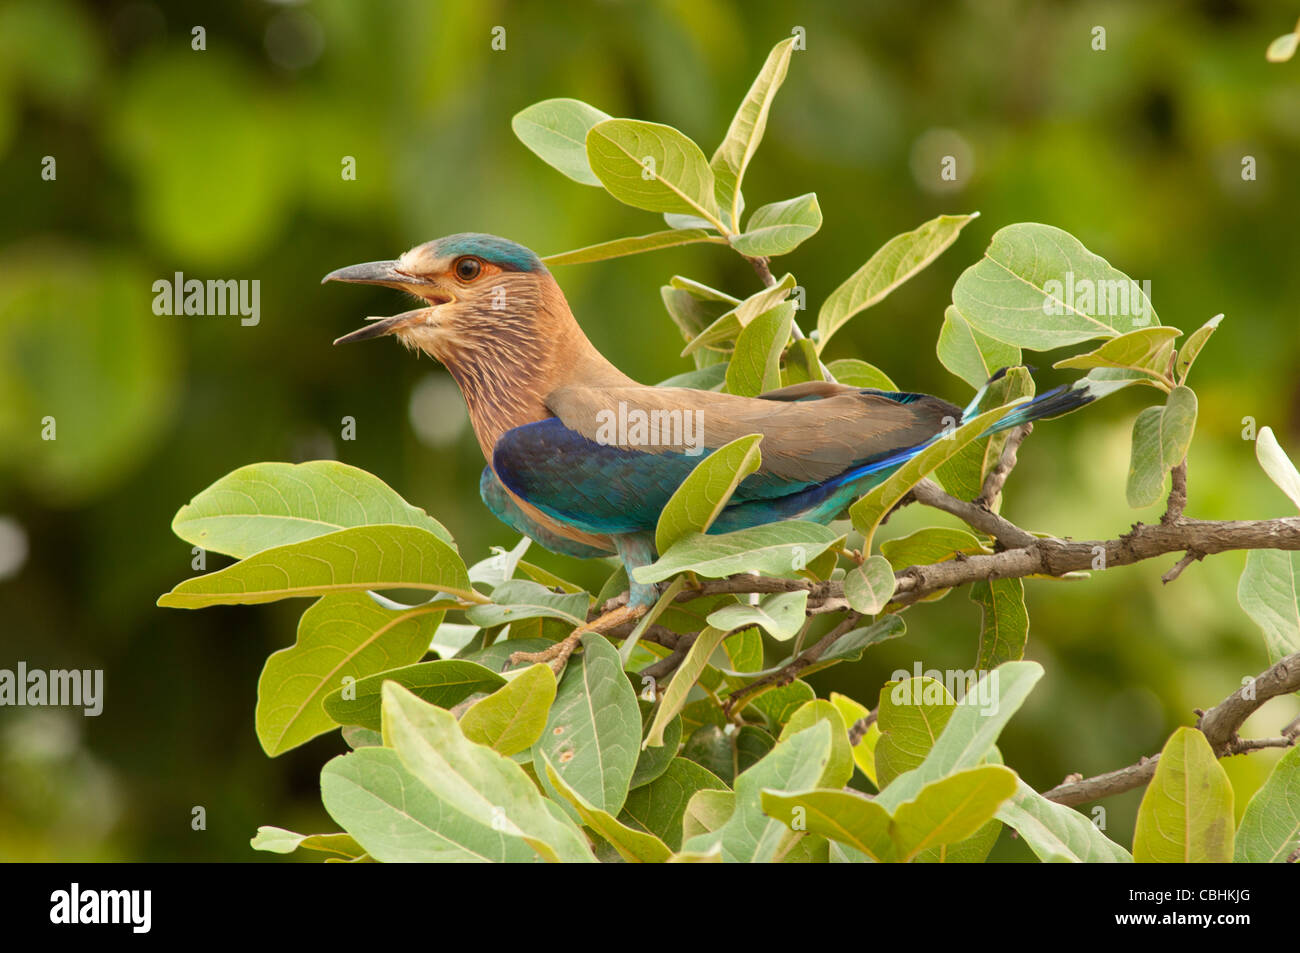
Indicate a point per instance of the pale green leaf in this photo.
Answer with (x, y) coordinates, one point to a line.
(513, 717)
(635, 245)
(896, 261)
(869, 587)
(1277, 464)
(971, 355)
(593, 732)
(1037, 287)
(702, 495)
(755, 366)
(1004, 625)
(653, 167)
(779, 228)
(1186, 814)
(556, 130)
(774, 549)
(348, 560)
(1269, 591)
(264, 505)
(344, 635)
(1270, 828)
(1056, 832)
(732, 157)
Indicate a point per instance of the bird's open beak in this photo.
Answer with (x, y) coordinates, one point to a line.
(387, 274)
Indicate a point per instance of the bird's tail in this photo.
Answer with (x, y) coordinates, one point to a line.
(1053, 403)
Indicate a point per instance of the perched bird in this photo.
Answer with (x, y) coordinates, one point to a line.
(577, 454)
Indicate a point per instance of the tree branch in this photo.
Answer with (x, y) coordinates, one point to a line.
(1219, 725)
(997, 477)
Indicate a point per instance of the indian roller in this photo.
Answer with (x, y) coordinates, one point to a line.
(573, 460)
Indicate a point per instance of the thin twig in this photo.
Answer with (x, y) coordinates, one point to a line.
(997, 477)
(1219, 725)
(1177, 494)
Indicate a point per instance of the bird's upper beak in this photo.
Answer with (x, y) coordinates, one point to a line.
(386, 273)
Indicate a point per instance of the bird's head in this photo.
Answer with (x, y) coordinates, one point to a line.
(480, 293)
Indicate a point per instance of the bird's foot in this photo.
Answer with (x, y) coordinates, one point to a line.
(558, 654)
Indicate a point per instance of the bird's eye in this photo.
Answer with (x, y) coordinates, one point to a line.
(467, 269)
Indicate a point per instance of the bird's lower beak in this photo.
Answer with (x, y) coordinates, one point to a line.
(382, 326)
(386, 273)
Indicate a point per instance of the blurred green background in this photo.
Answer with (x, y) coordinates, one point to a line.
(225, 163)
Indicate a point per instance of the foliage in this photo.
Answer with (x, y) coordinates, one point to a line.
(724, 763)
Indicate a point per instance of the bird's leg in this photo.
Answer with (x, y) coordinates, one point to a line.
(636, 550)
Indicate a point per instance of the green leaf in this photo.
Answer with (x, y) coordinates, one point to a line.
(1187, 354)
(729, 325)
(518, 599)
(779, 705)
(951, 809)
(732, 157)
(897, 260)
(265, 505)
(674, 697)
(660, 806)
(780, 228)
(868, 587)
(513, 717)
(911, 716)
(868, 512)
(1283, 47)
(972, 355)
(1037, 287)
(345, 635)
(556, 130)
(930, 545)
(756, 362)
(843, 816)
(593, 733)
(1056, 832)
(1186, 814)
(634, 846)
(653, 760)
(972, 730)
(1004, 626)
(962, 475)
(1270, 828)
(365, 557)
(1161, 438)
(1146, 476)
(749, 835)
(801, 363)
(474, 780)
(773, 549)
(634, 245)
(1277, 464)
(726, 753)
(397, 819)
(850, 370)
(653, 167)
(702, 495)
(1148, 350)
(445, 682)
(864, 751)
(781, 615)
(277, 840)
(1269, 591)
(706, 811)
(839, 767)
